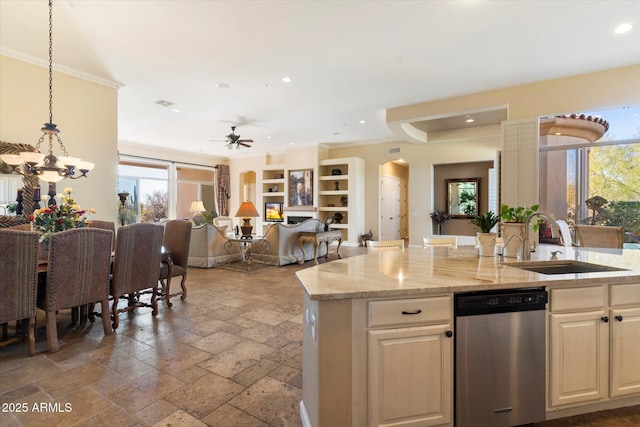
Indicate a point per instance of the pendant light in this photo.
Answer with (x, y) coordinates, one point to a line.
(48, 167)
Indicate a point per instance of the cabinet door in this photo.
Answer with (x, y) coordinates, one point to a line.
(625, 351)
(410, 376)
(578, 357)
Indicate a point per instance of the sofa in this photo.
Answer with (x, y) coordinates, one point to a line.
(283, 242)
(207, 247)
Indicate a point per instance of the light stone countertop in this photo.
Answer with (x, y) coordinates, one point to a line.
(438, 270)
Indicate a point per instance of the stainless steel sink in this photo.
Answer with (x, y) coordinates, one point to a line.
(563, 267)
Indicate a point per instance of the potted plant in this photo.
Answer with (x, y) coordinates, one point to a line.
(486, 239)
(513, 218)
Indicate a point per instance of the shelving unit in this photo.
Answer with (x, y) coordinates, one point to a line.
(272, 190)
(340, 188)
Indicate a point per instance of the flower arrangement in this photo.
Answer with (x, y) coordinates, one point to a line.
(440, 216)
(67, 215)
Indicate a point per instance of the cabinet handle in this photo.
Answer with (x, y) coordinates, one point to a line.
(449, 334)
(619, 318)
(411, 312)
(605, 319)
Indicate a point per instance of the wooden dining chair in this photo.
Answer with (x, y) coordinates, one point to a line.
(599, 236)
(77, 275)
(450, 241)
(18, 282)
(136, 267)
(385, 245)
(177, 237)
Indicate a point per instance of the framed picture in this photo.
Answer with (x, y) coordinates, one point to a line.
(273, 212)
(301, 187)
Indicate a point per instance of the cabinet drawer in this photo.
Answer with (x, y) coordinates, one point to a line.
(622, 295)
(410, 311)
(570, 299)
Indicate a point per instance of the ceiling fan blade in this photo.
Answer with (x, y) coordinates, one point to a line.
(243, 144)
(245, 140)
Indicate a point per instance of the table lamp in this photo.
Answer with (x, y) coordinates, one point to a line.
(246, 211)
(198, 208)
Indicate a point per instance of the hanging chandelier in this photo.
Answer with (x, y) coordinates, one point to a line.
(48, 167)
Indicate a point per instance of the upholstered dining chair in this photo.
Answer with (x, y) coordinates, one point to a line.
(136, 267)
(385, 245)
(105, 225)
(599, 236)
(77, 275)
(18, 281)
(450, 241)
(177, 237)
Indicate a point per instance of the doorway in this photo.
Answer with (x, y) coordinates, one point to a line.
(393, 219)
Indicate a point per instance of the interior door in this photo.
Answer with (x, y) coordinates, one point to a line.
(389, 208)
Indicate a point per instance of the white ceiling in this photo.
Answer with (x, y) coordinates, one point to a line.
(349, 60)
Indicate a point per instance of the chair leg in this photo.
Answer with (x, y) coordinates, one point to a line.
(5, 330)
(32, 336)
(92, 315)
(52, 331)
(183, 285)
(114, 312)
(154, 300)
(106, 323)
(166, 290)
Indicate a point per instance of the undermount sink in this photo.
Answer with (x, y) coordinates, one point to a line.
(563, 267)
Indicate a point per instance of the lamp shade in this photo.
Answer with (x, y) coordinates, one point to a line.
(197, 206)
(247, 210)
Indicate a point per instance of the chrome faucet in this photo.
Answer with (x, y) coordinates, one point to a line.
(526, 246)
(501, 252)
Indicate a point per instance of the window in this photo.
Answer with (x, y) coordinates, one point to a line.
(595, 183)
(159, 190)
(148, 188)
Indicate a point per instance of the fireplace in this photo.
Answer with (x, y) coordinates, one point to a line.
(297, 219)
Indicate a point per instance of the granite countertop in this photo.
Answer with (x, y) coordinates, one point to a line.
(438, 270)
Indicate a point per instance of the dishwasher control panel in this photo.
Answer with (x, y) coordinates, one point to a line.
(484, 302)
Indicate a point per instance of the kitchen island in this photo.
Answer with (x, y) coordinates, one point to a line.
(352, 305)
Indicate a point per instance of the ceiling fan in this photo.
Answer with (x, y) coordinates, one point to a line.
(234, 140)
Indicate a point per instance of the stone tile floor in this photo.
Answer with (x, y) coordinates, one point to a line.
(230, 355)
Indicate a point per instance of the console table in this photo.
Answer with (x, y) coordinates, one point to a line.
(317, 237)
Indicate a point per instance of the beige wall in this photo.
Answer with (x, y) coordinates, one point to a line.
(86, 114)
(600, 90)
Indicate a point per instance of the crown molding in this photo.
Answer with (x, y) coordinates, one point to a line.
(21, 56)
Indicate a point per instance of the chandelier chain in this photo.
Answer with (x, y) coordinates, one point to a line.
(50, 61)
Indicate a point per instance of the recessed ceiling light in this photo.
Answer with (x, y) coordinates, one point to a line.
(362, 122)
(269, 137)
(286, 79)
(469, 120)
(222, 86)
(623, 28)
(292, 143)
(175, 110)
(558, 133)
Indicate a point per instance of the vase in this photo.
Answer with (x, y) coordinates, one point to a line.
(486, 243)
(440, 228)
(512, 237)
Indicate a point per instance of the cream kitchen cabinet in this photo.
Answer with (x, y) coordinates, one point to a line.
(594, 344)
(624, 319)
(410, 362)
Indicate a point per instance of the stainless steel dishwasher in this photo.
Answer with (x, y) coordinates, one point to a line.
(500, 357)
